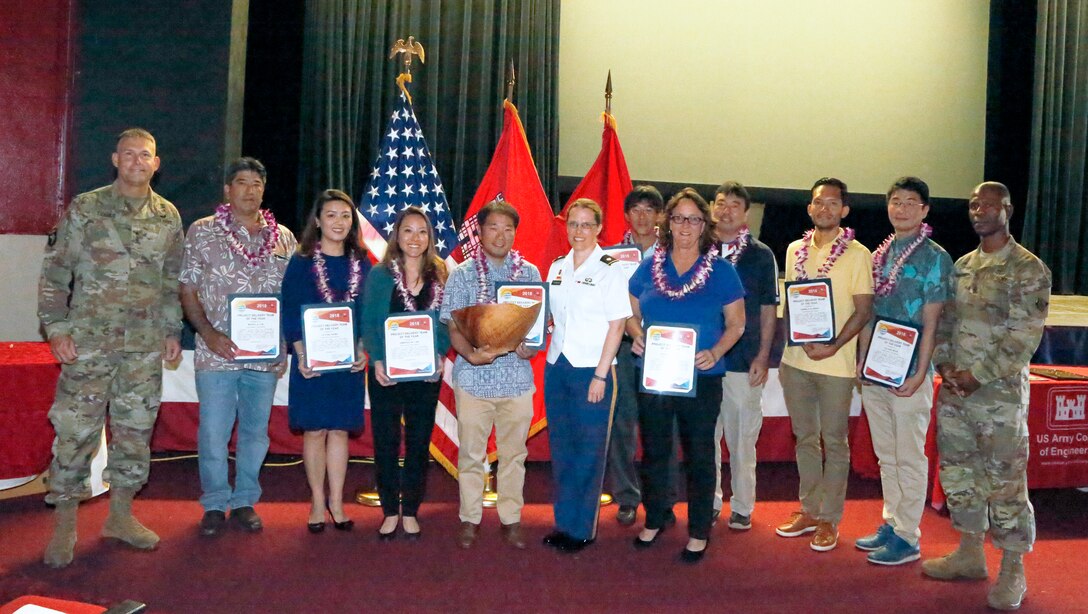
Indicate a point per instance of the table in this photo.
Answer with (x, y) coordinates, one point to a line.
(28, 375)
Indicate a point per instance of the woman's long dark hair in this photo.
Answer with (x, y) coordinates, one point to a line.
(311, 234)
(433, 266)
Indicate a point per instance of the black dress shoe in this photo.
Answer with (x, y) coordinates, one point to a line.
(574, 545)
(626, 515)
(691, 556)
(640, 544)
(343, 526)
(247, 518)
(213, 523)
(556, 539)
(315, 527)
(390, 535)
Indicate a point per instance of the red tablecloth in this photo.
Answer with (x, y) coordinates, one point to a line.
(28, 377)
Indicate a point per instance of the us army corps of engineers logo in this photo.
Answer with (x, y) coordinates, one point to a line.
(1066, 408)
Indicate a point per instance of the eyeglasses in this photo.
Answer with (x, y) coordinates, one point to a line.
(689, 220)
(581, 225)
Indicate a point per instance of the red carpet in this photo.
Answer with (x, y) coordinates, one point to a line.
(285, 569)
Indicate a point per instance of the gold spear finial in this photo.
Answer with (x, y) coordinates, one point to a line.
(412, 47)
(608, 94)
(511, 79)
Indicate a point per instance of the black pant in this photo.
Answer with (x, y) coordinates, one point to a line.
(694, 420)
(401, 491)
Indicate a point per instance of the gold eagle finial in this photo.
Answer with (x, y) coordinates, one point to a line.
(412, 47)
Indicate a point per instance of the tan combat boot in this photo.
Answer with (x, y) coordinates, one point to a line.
(121, 525)
(965, 563)
(1008, 592)
(61, 546)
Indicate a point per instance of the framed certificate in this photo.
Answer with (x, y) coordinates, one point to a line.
(892, 350)
(328, 332)
(629, 257)
(668, 363)
(526, 294)
(254, 324)
(410, 341)
(810, 312)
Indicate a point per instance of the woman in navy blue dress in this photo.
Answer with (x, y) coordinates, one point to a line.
(330, 267)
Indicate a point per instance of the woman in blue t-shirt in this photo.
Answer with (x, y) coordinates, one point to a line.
(685, 283)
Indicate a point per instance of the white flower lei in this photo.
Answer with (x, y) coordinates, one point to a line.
(740, 244)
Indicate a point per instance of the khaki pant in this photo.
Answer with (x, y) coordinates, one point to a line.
(898, 426)
(740, 421)
(819, 409)
(511, 417)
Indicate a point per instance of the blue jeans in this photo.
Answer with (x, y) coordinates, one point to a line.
(226, 396)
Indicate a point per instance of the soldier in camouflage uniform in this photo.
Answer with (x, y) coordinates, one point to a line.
(108, 300)
(985, 341)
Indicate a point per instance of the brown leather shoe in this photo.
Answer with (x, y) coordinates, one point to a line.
(826, 537)
(512, 534)
(466, 536)
(798, 524)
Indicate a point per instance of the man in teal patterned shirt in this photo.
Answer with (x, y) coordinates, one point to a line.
(912, 282)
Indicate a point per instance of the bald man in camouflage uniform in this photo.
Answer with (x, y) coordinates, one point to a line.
(985, 341)
(108, 300)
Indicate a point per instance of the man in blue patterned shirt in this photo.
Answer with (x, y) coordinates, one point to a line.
(912, 278)
(490, 388)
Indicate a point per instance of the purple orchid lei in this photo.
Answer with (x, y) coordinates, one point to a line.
(837, 249)
(355, 277)
(703, 268)
(406, 296)
(222, 221)
(885, 285)
(739, 245)
(483, 288)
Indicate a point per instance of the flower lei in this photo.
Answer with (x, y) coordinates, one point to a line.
(885, 285)
(739, 245)
(837, 248)
(483, 288)
(222, 220)
(355, 277)
(406, 296)
(703, 268)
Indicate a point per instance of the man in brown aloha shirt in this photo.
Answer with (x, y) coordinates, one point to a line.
(239, 250)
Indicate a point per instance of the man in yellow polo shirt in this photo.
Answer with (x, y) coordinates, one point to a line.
(818, 378)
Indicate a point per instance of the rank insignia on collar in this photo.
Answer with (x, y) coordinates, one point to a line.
(609, 260)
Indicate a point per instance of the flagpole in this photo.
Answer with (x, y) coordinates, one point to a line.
(364, 495)
(606, 498)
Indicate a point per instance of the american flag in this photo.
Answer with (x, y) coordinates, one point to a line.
(404, 175)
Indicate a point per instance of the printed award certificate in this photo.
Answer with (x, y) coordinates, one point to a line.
(254, 324)
(668, 363)
(810, 312)
(629, 257)
(891, 351)
(328, 332)
(410, 346)
(526, 294)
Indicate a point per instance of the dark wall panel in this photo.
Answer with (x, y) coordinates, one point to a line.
(164, 66)
(34, 112)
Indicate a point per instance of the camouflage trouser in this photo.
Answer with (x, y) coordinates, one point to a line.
(130, 384)
(983, 446)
